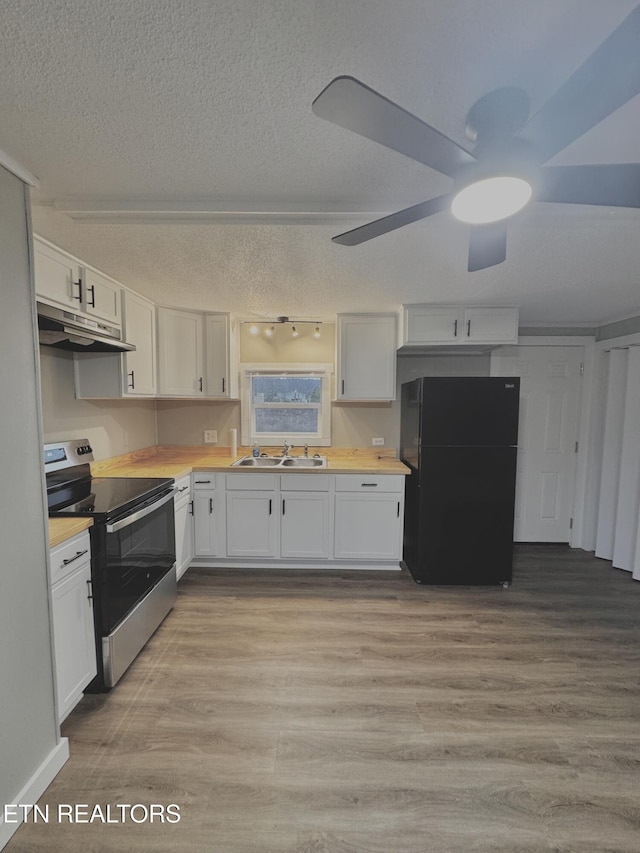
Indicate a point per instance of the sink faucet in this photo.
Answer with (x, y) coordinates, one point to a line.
(285, 448)
(306, 450)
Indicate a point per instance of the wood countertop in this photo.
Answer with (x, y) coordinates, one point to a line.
(61, 529)
(176, 461)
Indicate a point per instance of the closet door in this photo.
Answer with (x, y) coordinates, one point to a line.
(611, 444)
(626, 529)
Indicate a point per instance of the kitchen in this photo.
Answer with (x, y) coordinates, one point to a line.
(174, 246)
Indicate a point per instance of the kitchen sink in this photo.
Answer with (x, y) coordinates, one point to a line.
(281, 462)
(304, 462)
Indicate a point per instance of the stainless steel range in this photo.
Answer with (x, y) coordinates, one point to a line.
(133, 551)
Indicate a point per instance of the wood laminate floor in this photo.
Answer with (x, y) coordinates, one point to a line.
(360, 713)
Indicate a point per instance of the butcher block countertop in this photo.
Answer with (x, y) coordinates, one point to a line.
(176, 461)
(61, 529)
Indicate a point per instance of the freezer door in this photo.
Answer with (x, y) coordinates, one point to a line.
(465, 508)
(470, 411)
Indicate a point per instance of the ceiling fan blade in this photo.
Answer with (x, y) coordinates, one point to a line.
(487, 245)
(613, 185)
(393, 221)
(349, 103)
(605, 81)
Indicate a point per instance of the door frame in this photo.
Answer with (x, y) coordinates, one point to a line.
(582, 534)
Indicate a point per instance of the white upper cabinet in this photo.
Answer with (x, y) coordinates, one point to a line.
(101, 296)
(140, 330)
(366, 357)
(65, 281)
(57, 276)
(180, 353)
(222, 346)
(197, 354)
(443, 325)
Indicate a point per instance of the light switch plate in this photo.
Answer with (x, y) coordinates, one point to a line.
(210, 436)
(377, 442)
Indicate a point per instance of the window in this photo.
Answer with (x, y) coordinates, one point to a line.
(285, 403)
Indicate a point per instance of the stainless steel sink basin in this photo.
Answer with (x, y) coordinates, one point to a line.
(304, 462)
(281, 462)
(257, 462)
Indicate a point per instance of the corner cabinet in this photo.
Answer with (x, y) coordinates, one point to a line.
(197, 354)
(446, 325)
(106, 375)
(72, 619)
(366, 357)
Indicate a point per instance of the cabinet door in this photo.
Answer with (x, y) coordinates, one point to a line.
(304, 525)
(366, 357)
(74, 641)
(184, 535)
(431, 324)
(205, 528)
(139, 329)
(368, 526)
(217, 348)
(251, 524)
(101, 297)
(180, 353)
(491, 325)
(57, 277)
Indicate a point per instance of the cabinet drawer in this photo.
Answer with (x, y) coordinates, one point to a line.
(69, 556)
(251, 482)
(203, 481)
(183, 486)
(304, 482)
(369, 483)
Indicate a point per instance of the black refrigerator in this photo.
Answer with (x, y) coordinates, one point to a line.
(459, 437)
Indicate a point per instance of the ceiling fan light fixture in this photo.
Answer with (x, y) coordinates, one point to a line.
(491, 199)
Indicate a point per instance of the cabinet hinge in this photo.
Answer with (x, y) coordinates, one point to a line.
(577, 445)
(582, 368)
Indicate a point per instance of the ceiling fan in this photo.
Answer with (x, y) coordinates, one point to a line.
(504, 169)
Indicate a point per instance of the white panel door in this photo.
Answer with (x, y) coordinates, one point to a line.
(205, 534)
(368, 526)
(180, 353)
(251, 524)
(611, 446)
(548, 430)
(624, 537)
(139, 329)
(304, 526)
(101, 296)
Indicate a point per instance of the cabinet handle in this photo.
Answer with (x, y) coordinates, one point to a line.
(200, 382)
(190, 507)
(468, 328)
(270, 502)
(183, 489)
(283, 510)
(223, 385)
(343, 386)
(210, 505)
(133, 384)
(202, 482)
(77, 284)
(72, 559)
(455, 328)
(89, 591)
(369, 484)
(93, 296)
(398, 513)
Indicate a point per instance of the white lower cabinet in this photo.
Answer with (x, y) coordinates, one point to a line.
(183, 505)
(301, 519)
(72, 617)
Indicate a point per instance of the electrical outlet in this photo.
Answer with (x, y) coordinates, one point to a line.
(377, 442)
(210, 436)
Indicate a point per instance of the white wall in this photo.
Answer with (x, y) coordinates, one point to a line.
(28, 730)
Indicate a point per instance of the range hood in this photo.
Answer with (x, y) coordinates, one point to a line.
(65, 330)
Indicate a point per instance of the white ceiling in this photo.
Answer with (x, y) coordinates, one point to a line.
(205, 105)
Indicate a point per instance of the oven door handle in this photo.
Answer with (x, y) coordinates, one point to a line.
(136, 516)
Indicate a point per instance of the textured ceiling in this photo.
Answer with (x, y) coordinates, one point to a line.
(207, 105)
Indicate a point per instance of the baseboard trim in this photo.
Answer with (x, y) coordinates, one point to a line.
(36, 786)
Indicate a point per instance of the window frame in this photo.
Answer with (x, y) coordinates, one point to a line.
(320, 439)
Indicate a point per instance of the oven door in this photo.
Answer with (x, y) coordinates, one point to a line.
(140, 551)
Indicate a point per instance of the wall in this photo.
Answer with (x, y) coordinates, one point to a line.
(112, 426)
(28, 730)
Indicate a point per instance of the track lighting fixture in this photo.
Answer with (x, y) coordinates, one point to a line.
(270, 326)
